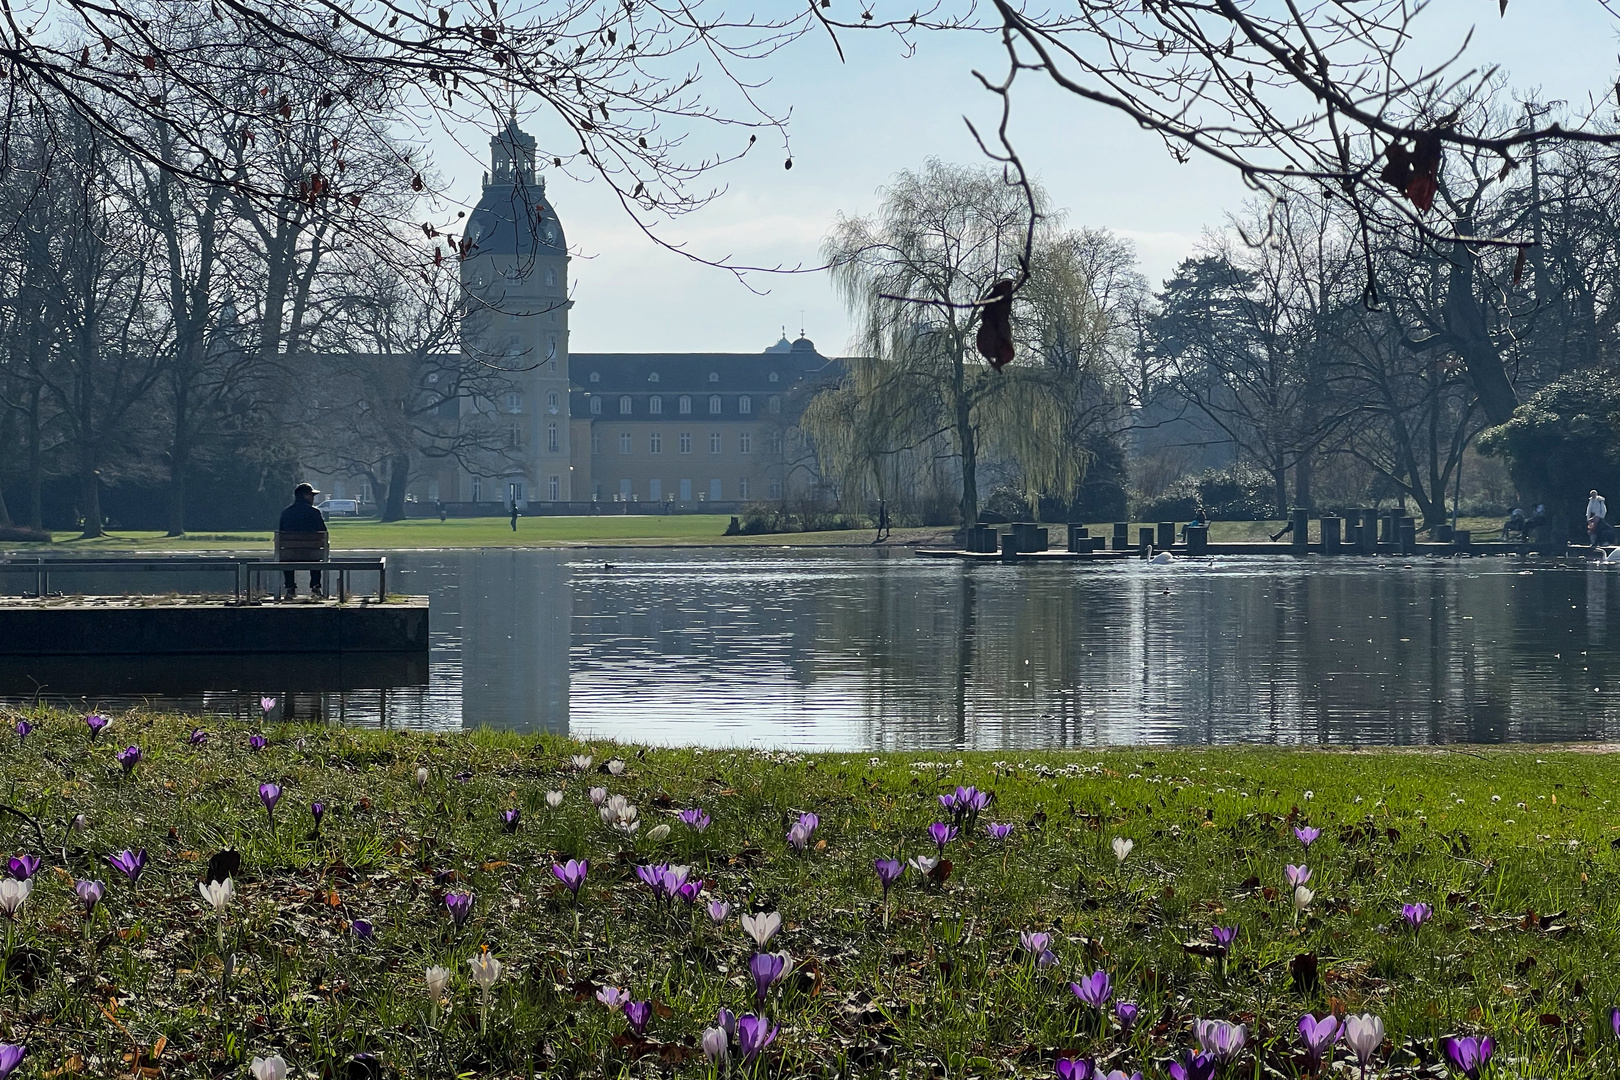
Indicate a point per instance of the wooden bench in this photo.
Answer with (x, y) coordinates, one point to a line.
(304, 548)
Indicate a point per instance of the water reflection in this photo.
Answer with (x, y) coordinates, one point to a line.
(867, 649)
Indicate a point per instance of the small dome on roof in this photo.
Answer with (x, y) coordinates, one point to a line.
(804, 344)
(513, 216)
(782, 346)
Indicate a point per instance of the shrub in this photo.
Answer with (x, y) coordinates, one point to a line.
(1241, 494)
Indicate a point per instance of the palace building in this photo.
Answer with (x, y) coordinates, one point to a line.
(688, 431)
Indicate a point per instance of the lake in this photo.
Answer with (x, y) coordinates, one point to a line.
(879, 649)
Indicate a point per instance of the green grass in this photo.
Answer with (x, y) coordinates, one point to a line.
(1515, 850)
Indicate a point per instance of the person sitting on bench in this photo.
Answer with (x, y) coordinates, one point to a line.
(302, 527)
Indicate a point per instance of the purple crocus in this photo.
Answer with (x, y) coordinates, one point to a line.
(1127, 1012)
(1075, 1069)
(1416, 914)
(809, 822)
(766, 968)
(11, 1055)
(888, 872)
(129, 757)
(1193, 1066)
(798, 837)
(24, 728)
(197, 737)
(510, 819)
(22, 867)
(129, 863)
(460, 907)
(653, 878)
(1319, 1037)
(1614, 1021)
(754, 1034)
(1033, 942)
(89, 894)
(1469, 1055)
(942, 834)
(572, 874)
(1094, 990)
(726, 1021)
(257, 743)
(1306, 835)
(612, 997)
(688, 891)
(363, 930)
(1297, 875)
(95, 722)
(1220, 1039)
(719, 911)
(696, 819)
(997, 830)
(1224, 936)
(317, 810)
(270, 794)
(638, 1013)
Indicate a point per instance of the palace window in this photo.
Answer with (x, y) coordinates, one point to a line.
(745, 443)
(655, 405)
(596, 376)
(551, 279)
(685, 405)
(742, 488)
(596, 406)
(551, 436)
(714, 404)
(714, 442)
(554, 488)
(745, 405)
(714, 376)
(653, 377)
(596, 442)
(551, 401)
(624, 405)
(773, 376)
(776, 489)
(514, 402)
(774, 404)
(624, 443)
(655, 443)
(686, 442)
(773, 442)
(514, 435)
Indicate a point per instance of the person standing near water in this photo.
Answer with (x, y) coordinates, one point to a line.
(1597, 518)
(514, 515)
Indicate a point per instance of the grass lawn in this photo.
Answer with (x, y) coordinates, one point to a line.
(1514, 851)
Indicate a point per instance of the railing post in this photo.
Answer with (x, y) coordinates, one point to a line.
(382, 579)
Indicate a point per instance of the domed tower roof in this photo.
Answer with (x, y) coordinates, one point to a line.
(513, 217)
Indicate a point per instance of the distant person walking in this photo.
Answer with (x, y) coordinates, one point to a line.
(514, 515)
(302, 518)
(1597, 518)
(440, 506)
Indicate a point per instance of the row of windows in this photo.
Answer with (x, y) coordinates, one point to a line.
(655, 442)
(514, 402)
(714, 376)
(683, 490)
(683, 405)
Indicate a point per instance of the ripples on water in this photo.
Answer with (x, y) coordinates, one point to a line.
(883, 650)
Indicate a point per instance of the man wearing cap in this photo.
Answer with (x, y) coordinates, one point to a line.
(302, 517)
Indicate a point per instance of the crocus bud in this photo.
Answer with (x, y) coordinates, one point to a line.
(422, 777)
(716, 1046)
(657, 833)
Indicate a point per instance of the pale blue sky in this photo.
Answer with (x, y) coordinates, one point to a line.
(855, 125)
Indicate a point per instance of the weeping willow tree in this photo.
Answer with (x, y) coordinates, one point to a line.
(919, 395)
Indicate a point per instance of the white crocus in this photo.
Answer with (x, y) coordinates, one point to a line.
(1364, 1034)
(438, 981)
(657, 833)
(219, 894)
(582, 762)
(598, 796)
(618, 813)
(422, 777)
(554, 799)
(761, 927)
(485, 971)
(616, 767)
(923, 864)
(12, 894)
(716, 1045)
(270, 1068)
(1122, 847)
(1302, 900)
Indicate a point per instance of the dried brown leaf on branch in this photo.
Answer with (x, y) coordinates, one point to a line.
(1414, 172)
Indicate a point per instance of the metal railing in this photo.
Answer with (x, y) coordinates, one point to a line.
(245, 572)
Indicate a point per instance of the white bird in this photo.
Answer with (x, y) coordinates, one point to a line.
(1162, 557)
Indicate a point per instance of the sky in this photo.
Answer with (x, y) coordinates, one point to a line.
(855, 124)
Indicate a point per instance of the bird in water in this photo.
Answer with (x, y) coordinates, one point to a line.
(1161, 558)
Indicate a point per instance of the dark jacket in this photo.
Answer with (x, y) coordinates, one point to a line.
(302, 517)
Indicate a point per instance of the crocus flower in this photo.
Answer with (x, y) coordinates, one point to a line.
(658, 832)
(11, 1055)
(12, 895)
(638, 1013)
(486, 970)
(1095, 989)
(582, 762)
(267, 704)
(218, 894)
(761, 927)
(672, 879)
(998, 831)
(1046, 958)
(1219, 1039)
(90, 894)
(1075, 1069)
(1469, 1055)
(754, 1034)
(460, 906)
(1302, 899)
(23, 867)
(572, 874)
(257, 743)
(618, 813)
(509, 820)
(438, 982)
(688, 891)
(798, 838)
(614, 998)
(726, 1021)
(270, 794)
(716, 1045)
(554, 799)
(79, 823)
(129, 863)
(363, 930)
(696, 819)
(23, 729)
(888, 872)
(95, 722)
(1319, 1036)
(129, 757)
(1127, 1012)
(1122, 847)
(767, 970)
(808, 822)
(1119, 1075)
(719, 911)
(615, 767)
(1224, 936)
(422, 776)
(1614, 1021)
(923, 864)
(1297, 875)
(1416, 914)
(942, 834)
(273, 1067)
(947, 801)
(1306, 835)
(1033, 942)
(599, 796)
(197, 737)
(317, 810)
(1193, 1066)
